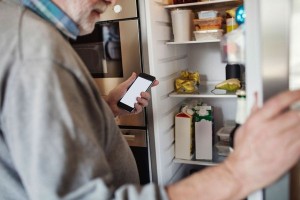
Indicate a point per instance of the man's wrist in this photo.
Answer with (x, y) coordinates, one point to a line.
(113, 107)
(218, 182)
(231, 168)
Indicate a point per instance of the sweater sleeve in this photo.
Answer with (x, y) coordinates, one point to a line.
(62, 138)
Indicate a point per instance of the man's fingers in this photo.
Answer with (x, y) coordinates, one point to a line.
(255, 106)
(130, 80)
(294, 139)
(285, 122)
(278, 104)
(145, 95)
(155, 83)
(137, 108)
(142, 102)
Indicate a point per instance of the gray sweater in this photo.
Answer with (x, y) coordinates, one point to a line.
(58, 138)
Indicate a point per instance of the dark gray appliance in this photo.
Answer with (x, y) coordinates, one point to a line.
(137, 140)
(111, 53)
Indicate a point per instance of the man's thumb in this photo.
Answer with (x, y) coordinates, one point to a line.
(130, 80)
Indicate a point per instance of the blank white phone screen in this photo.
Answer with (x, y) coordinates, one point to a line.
(140, 85)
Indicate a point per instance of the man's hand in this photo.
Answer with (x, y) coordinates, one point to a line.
(117, 93)
(268, 144)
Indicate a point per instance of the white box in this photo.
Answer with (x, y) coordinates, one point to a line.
(206, 35)
(207, 14)
(204, 135)
(204, 140)
(184, 148)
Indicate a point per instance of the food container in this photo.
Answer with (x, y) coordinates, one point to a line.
(208, 24)
(208, 14)
(187, 82)
(182, 25)
(231, 24)
(233, 46)
(224, 133)
(223, 148)
(206, 35)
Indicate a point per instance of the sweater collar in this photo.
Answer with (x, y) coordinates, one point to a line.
(52, 13)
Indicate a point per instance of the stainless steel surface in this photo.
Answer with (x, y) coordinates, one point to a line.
(135, 137)
(112, 66)
(268, 53)
(131, 62)
(275, 33)
(131, 56)
(126, 8)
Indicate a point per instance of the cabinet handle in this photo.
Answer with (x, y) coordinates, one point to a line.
(129, 137)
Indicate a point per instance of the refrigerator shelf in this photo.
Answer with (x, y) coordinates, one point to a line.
(194, 42)
(205, 92)
(203, 3)
(216, 160)
(195, 162)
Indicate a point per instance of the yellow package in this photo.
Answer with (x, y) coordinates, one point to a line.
(187, 82)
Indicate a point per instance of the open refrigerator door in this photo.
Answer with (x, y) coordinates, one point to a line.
(268, 46)
(269, 38)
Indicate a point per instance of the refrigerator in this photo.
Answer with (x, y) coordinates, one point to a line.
(272, 64)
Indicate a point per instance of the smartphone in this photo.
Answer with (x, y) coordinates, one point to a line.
(141, 84)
